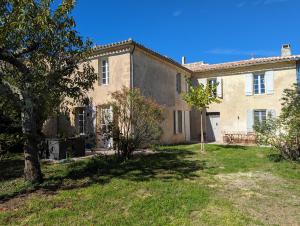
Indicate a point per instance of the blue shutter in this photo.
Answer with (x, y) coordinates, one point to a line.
(250, 121)
(248, 84)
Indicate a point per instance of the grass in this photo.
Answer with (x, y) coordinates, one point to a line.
(226, 185)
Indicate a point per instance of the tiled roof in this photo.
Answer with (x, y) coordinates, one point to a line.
(202, 67)
(131, 42)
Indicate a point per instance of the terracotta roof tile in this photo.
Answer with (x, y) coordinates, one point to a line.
(202, 67)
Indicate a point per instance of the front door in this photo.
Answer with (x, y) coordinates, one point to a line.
(212, 126)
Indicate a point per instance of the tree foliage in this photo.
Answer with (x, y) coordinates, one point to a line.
(200, 97)
(40, 54)
(283, 133)
(136, 121)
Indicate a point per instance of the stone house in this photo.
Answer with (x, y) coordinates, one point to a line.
(249, 90)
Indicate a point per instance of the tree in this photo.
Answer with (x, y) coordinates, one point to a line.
(200, 97)
(135, 123)
(40, 54)
(283, 133)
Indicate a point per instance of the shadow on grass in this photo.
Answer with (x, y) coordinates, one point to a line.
(165, 166)
(11, 168)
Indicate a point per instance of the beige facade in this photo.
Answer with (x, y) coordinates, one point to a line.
(237, 108)
(132, 65)
(158, 77)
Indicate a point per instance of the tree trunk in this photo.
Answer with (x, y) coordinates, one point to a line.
(32, 170)
(202, 136)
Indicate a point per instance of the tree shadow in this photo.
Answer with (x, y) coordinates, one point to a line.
(162, 165)
(11, 168)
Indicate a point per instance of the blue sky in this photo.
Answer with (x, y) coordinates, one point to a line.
(212, 31)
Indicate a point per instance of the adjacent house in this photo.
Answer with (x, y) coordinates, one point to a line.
(249, 89)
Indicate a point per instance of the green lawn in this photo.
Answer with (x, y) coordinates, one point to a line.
(176, 185)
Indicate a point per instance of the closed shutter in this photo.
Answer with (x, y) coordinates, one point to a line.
(220, 87)
(250, 121)
(248, 84)
(269, 78)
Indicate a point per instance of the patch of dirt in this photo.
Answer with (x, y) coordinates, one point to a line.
(143, 193)
(19, 201)
(263, 195)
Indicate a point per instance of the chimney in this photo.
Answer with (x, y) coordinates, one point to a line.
(286, 50)
(183, 60)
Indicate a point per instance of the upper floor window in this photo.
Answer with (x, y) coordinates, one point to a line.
(104, 79)
(178, 83)
(212, 83)
(259, 84)
(260, 116)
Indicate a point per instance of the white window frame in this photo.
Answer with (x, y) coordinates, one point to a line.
(259, 77)
(213, 81)
(104, 71)
(260, 115)
(81, 112)
(106, 117)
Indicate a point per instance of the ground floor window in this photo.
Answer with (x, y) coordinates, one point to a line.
(260, 116)
(106, 118)
(177, 121)
(81, 120)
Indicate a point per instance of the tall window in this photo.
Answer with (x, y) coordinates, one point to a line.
(179, 121)
(212, 82)
(106, 118)
(260, 116)
(81, 120)
(178, 83)
(105, 71)
(259, 84)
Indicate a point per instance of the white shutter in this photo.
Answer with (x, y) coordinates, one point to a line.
(94, 116)
(220, 87)
(202, 81)
(187, 125)
(248, 84)
(269, 80)
(271, 112)
(250, 121)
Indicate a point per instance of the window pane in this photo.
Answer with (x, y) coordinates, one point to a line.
(262, 84)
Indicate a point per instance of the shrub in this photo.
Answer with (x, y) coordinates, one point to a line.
(283, 133)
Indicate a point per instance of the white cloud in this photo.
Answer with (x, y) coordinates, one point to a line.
(236, 52)
(241, 4)
(177, 13)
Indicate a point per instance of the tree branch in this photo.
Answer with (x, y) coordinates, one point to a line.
(8, 58)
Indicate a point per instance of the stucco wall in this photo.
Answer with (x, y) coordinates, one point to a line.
(157, 80)
(234, 105)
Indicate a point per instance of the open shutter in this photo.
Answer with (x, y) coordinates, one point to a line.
(250, 121)
(269, 78)
(202, 81)
(99, 71)
(248, 84)
(220, 87)
(271, 112)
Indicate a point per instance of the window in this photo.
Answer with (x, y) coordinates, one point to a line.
(81, 120)
(212, 83)
(179, 121)
(105, 72)
(260, 116)
(106, 118)
(178, 83)
(259, 84)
